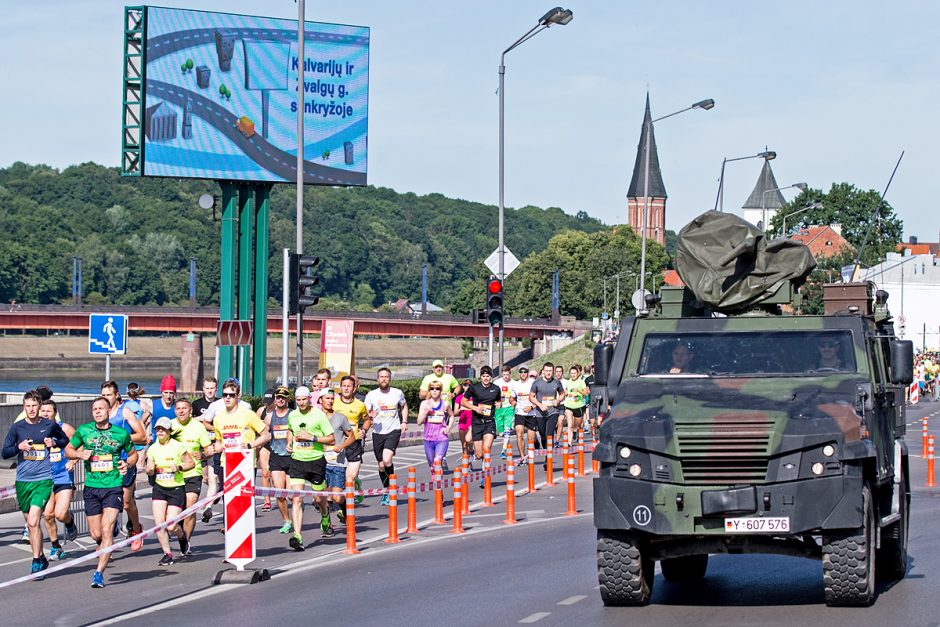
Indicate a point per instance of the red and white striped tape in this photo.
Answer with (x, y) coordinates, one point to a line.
(7, 492)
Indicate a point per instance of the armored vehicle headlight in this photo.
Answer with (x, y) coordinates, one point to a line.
(625, 452)
(818, 468)
(635, 470)
(829, 450)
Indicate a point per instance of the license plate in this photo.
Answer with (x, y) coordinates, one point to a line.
(763, 524)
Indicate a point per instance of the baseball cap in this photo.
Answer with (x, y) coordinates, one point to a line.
(163, 423)
(436, 363)
(282, 390)
(523, 370)
(486, 370)
(269, 394)
(327, 392)
(302, 392)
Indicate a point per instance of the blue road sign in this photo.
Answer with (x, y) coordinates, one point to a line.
(107, 334)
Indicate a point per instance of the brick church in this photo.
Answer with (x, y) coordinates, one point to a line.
(636, 195)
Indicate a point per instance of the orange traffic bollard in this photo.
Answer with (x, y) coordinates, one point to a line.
(595, 465)
(458, 506)
(930, 477)
(350, 519)
(581, 454)
(438, 493)
(392, 511)
(412, 502)
(565, 455)
(487, 481)
(549, 463)
(510, 491)
(923, 450)
(465, 475)
(531, 462)
(572, 503)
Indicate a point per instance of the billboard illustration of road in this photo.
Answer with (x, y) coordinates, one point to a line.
(220, 98)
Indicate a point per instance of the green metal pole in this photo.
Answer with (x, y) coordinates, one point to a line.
(226, 354)
(260, 341)
(246, 219)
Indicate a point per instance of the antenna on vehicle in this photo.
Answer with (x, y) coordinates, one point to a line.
(857, 263)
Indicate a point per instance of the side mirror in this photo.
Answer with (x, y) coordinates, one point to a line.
(603, 354)
(902, 362)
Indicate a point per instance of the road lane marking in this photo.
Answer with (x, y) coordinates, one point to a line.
(536, 617)
(572, 600)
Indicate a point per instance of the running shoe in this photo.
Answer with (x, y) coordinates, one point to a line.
(71, 532)
(266, 507)
(326, 526)
(296, 543)
(97, 580)
(36, 566)
(503, 454)
(482, 483)
(359, 497)
(286, 527)
(341, 515)
(207, 516)
(166, 560)
(57, 553)
(444, 466)
(137, 544)
(184, 546)
(25, 538)
(384, 500)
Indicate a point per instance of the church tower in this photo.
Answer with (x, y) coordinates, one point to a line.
(765, 198)
(636, 195)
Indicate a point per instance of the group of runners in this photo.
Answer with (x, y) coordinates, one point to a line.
(308, 440)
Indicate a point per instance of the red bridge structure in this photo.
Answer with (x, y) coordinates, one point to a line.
(205, 320)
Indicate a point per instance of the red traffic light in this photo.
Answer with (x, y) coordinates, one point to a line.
(495, 286)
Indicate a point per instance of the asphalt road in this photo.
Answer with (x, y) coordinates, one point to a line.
(540, 571)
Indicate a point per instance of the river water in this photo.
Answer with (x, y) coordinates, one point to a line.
(79, 381)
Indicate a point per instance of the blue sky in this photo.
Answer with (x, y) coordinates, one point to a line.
(836, 88)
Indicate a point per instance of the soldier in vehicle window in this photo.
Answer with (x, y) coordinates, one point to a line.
(682, 356)
(828, 355)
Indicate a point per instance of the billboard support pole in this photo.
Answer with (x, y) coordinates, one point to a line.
(301, 13)
(260, 339)
(227, 287)
(246, 227)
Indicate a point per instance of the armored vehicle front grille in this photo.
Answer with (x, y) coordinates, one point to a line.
(725, 451)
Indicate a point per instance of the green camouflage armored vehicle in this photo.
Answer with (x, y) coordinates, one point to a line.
(732, 424)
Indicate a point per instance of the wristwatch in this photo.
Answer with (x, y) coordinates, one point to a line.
(248, 445)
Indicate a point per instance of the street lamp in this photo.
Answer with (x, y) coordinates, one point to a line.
(648, 131)
(767, 155)
(813, 205)
(763, 201)
(557, 16)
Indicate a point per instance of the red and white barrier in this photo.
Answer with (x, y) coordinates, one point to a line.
(239, 507)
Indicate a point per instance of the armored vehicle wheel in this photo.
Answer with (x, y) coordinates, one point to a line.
(848, 560)
(688, 568)
(624, 573)
(892, 556)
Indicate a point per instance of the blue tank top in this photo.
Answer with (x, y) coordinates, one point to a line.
(159, 411)
(279, 433)
(58, 461)
(118, 420)
(135, 407)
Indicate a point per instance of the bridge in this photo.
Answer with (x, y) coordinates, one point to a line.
(205, 320)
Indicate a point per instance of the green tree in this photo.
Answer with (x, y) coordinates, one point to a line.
(583, 261)
(861, 214)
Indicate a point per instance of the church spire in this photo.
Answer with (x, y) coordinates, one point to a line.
(657, 188)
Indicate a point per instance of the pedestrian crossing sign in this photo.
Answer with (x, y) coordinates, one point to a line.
(107, 334)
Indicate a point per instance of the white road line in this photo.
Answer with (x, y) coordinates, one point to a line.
(534, 618)
(572, 600)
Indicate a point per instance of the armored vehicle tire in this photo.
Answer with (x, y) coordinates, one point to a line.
(892, 556)
(624, 573)
(687, 568)
(848, 560)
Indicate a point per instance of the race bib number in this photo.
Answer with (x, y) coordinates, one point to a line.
(436, 418)
(166, 474)
(387, 413)
(232, 439)
(303, 443)
(36, 454)
(549, 401)
(331, 456)
(280, 433)
(486, 410)
(55, 455)
(101, 463)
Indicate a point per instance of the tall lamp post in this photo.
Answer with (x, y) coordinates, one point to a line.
(812, 205)
(767, 155)
(648, 131)
(763, 201)
(555, 16)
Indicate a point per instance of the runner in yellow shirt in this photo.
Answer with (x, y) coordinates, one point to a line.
(167, 460)
(196, 440)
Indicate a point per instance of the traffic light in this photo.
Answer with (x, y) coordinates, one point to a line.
(300, 281)
(494, 302)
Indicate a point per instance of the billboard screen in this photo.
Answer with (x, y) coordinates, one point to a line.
(220, 98)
